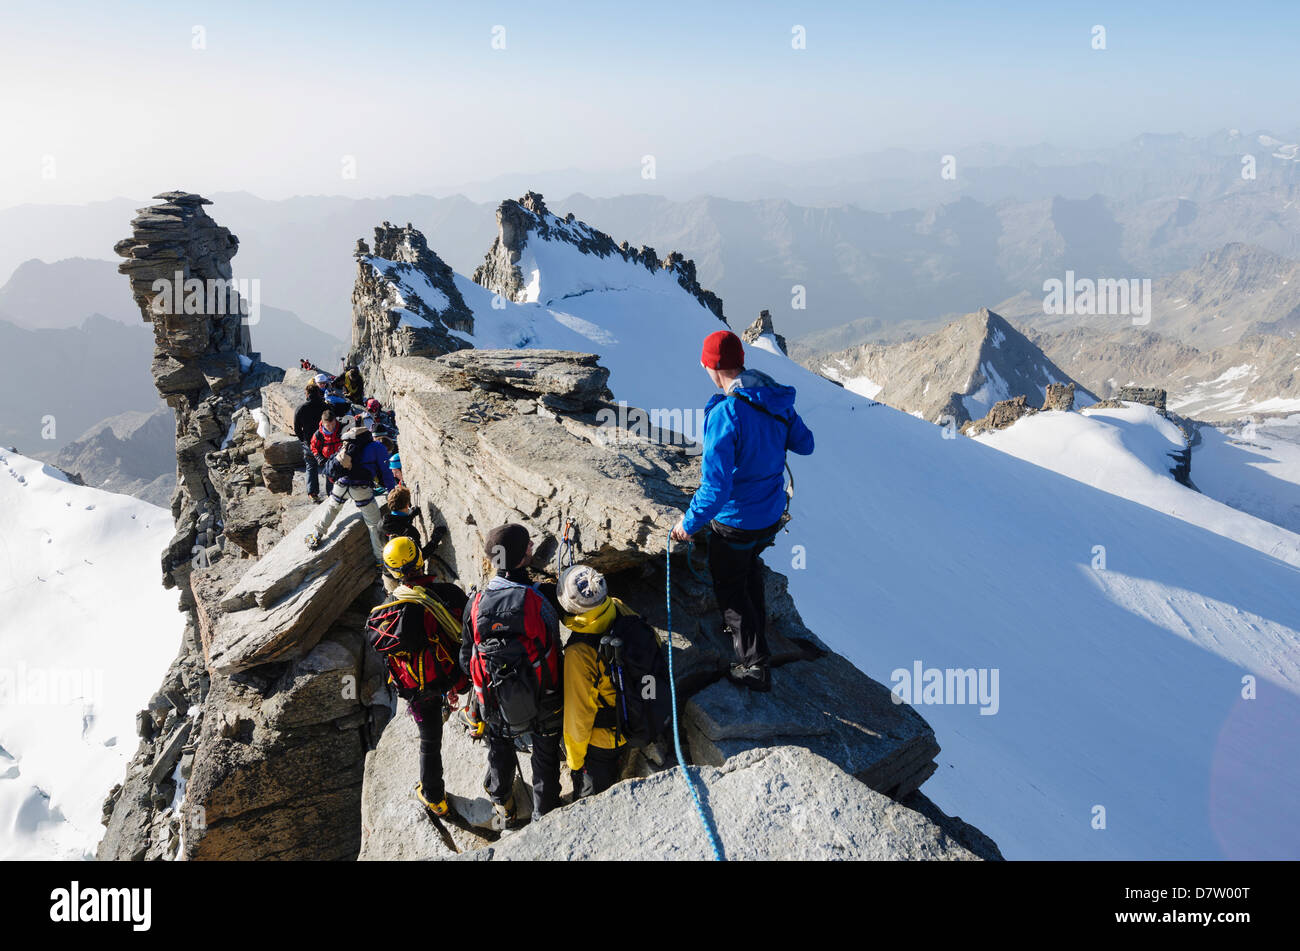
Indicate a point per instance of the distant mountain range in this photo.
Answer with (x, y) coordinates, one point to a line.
(854, 247)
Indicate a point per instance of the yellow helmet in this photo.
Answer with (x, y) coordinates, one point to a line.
(402, 557)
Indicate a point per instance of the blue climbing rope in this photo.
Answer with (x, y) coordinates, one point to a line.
(709, 830)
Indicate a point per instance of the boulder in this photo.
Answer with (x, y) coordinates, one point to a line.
(282, 605)
(827, 706)
(775, 803)
(283, 451)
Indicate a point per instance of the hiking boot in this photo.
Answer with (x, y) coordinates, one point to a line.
(439, 808)
(503, 814)
(314, 496)
(755, 677)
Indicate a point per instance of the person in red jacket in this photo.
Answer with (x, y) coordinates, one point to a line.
(325, 442)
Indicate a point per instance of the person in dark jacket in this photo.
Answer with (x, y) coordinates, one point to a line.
(417, 629)
(305, 421)
(511, 610)
(748, 429)
(357, 481)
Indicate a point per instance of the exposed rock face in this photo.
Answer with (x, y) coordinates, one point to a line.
(956, 373)
(388, 322)
(517, 220)
(204, 366)
(1002, 415)
(779, 802)
(1146, 395)
(1059, 398)
(761, 326)
(261, 715)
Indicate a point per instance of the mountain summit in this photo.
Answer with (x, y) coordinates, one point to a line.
(957, 372)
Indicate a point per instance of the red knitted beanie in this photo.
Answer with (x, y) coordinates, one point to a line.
(723, 351)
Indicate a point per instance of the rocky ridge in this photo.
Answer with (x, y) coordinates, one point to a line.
(516, 220)
(273, 737)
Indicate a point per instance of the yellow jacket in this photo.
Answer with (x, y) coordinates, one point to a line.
(587, 684)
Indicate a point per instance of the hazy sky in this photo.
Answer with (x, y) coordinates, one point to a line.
(105, 99)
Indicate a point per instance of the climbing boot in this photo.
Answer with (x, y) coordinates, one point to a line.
(439, 808)
(312, 540)
(755, 677)
(503, 813)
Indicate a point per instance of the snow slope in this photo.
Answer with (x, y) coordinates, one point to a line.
(1254, 467)
(1126, 452)
(1123, 684)
(86, 634)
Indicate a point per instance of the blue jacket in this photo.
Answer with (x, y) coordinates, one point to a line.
(742, 476)
(372, 466)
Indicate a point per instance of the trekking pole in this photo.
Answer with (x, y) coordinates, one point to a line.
(709, 830)
(616, 646)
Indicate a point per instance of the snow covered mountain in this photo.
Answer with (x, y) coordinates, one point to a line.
(1151, 659)
(86, 633)
(958, 372)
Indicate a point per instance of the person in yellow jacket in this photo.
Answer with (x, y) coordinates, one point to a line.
(592, 741)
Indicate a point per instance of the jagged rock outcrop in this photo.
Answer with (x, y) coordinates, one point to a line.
(1059, 398)
(417, 319)
(1146, 395)
(762, 326)
(953, 375)
(518, 220)
(1002, 415)
(178, 262)
(254, 746)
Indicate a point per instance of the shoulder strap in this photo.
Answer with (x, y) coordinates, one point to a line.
(762, 409)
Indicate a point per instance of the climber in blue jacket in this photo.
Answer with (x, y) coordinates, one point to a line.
(741, 499)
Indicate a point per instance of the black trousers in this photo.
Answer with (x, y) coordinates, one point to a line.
(736, 567)
(428, 719)
(600, 770)
(546, 769)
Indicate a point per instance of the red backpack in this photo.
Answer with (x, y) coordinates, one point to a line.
(430, 670)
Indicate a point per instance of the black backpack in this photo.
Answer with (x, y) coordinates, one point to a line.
(639, 669)
(341, 464)
(515, 661)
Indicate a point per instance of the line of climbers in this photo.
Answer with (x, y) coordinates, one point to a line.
(356, 451)
(605, 689)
